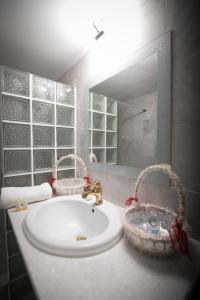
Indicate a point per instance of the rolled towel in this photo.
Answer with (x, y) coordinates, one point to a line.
(10, 196)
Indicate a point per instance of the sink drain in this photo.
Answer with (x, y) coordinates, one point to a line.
(81, 237)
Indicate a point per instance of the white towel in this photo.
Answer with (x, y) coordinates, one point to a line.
(10, 196)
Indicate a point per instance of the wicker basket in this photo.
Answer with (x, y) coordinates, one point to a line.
(67, 186)
(153, 229)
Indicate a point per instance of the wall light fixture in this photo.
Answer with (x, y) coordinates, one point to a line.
(99, 33)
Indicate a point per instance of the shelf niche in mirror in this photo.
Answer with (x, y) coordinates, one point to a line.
(130, 113)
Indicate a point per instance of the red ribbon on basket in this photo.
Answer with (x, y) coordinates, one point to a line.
(87, 187)
(178, 235)
(131, 200)
(51, 181)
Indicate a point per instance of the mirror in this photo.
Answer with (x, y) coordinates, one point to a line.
(130, 112)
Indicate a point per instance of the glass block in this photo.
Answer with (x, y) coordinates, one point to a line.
(16, 266)
(43, 136)
(98, 121)
(66, 174)
(111, 155)
(43, 159)
(111, 122)
(99, 102)
(43, 112)
(65, 93)
(90, 120)
(16, 109)
(90, 101)
(17, 161)
(3, 250)
(100, 154)
(98, 138)
(111, 139)
(41, 178)
(20, 288)
(4, 289)
(43, 88)
(16, 135)
(15, 82)
(111, 106)
(8, 223)
(24, 180)
(90, 138)
(67, 162)
(65, 115)
(13, 247)
(65, 137)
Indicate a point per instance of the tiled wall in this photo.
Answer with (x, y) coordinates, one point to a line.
(140, 125)
(158, 17)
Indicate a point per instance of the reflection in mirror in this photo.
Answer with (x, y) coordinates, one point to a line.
(130, 112)
(123, 116)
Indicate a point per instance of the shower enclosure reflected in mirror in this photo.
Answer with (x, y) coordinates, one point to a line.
(130, 112)
(124, 116)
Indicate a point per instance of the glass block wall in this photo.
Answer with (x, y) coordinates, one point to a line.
(103, 128)
(37, 127)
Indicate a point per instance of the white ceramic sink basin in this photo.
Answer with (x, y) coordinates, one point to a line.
(71, 226)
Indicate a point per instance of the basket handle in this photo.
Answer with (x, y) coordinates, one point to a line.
(175, 179)
(72, 156)
(92, 157)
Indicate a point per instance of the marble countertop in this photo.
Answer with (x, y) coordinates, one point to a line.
(118, 273)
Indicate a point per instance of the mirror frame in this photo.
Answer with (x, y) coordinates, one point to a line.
(161, 46)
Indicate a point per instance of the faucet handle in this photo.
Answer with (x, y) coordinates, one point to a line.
(96, 190)
(97, 186)
(94, 186)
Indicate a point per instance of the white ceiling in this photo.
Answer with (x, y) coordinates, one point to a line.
(46, 37)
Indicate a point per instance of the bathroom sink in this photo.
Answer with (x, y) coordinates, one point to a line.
(71, 226)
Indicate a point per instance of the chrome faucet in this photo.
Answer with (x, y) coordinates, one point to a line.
(96, 190)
